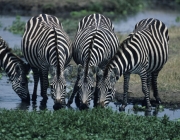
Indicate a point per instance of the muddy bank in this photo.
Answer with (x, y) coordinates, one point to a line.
(136, 96)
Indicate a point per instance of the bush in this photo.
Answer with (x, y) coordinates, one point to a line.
(17, 26)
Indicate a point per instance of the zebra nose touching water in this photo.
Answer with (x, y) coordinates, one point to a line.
(16, 70)
(95, 43)
(144, 52)
(46, 46)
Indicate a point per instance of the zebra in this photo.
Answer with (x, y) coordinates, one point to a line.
(16, 69)
(143, 52)
(46, 47)
(95, 43)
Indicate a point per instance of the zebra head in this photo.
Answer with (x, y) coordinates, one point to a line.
(85, 85)
(20, 82)
(105, 86)
(58, 88)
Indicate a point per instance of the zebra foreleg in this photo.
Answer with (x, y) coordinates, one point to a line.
(126, 88)
(154, 87)
(70, 100)
(44, 83)
(77, 100)
(36, 80)
(96, 95)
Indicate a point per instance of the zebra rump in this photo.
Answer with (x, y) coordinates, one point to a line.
(16, 70)
(143, 52)
(47, 48)
(95, 43)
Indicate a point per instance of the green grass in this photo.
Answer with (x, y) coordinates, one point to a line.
(96, 124)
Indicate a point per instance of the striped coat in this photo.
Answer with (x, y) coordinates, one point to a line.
(144, 52)
(46, 46)
(16, 69)
(94, 45)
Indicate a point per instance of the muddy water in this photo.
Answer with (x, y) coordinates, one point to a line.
(10, 100)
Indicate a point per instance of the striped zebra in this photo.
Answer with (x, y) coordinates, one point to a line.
(16, 70)
(95, 44)
(144, 52)
(46, 46)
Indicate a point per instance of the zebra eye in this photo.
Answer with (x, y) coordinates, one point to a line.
(64, 87)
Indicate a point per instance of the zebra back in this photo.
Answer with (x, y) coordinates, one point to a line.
(95, 20)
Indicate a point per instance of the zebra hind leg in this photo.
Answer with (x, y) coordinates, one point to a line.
(154, 87)
(36, 80)
(126, 88)
(44, 84)
(145, 89)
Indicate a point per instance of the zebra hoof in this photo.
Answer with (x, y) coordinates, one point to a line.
(158, 100)
(34, 97)
(83, 107)
(69, 102)
(148, 109)
(122, 108)
(57, 106)
(27, 100)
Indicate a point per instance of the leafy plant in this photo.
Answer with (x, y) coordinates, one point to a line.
(97, 123)
(178, 19)
(17, 26)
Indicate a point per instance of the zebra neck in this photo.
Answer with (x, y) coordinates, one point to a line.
(9, 63)
(123, 60)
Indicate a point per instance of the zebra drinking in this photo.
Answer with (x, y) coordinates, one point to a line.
(144, 52)
(46, 46)
(16, 70)
(95, 43)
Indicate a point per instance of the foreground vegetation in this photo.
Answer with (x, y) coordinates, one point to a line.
(101, 124)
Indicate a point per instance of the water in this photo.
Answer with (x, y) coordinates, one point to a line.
(127, 25)
(12, 39)
(10, 100)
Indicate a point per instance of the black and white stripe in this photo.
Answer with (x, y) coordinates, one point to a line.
(46, 46)
(144, 52)
(95, 43)
(16, 70)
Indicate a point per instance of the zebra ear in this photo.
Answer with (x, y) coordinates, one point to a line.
(116, 73)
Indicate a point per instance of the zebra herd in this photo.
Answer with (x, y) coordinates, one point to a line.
(100, 57)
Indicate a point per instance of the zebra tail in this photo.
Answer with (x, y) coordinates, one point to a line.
(57, 53)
